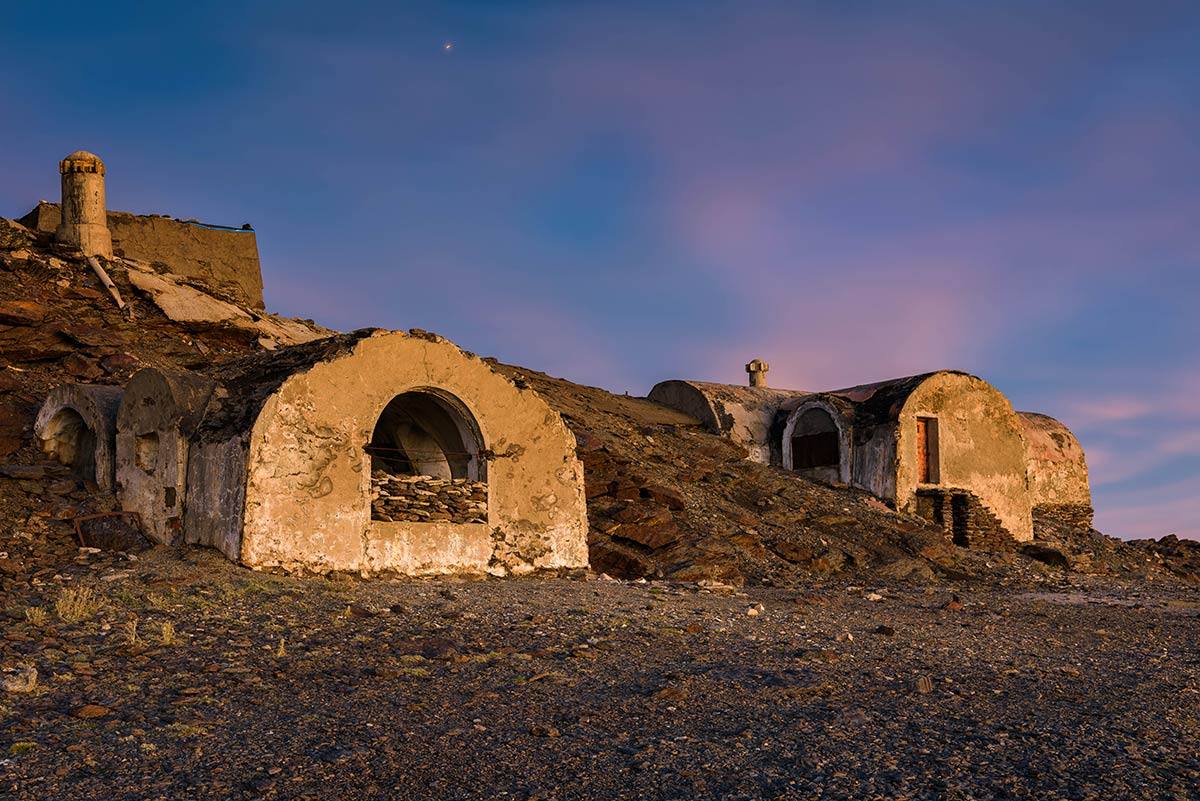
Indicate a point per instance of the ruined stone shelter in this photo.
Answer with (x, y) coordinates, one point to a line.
(946, 445)
(388, 451)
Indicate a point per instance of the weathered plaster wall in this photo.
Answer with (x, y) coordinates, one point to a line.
(97, 407)
(224, 258)
(980, 444)
(873, 466)
(308, 486)
(216, 495)
(158, 413)
(1055, 462)
(744, 414)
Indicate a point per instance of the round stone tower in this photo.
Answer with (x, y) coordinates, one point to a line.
(84, 216)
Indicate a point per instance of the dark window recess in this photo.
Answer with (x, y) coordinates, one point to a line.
(815, 450)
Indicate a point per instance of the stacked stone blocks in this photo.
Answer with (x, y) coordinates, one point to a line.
(425, 499)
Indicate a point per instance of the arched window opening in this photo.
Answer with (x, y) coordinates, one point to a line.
(815, 441)
(426, 461)
(70, 440)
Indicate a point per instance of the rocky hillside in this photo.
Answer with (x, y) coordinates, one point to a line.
(665, 498)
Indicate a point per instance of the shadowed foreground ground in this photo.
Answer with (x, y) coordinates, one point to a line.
(278, 687)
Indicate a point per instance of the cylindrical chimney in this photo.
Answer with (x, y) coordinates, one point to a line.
(757, 370)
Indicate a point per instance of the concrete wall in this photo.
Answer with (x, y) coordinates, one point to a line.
(57, 427)
(216, 495)
(157, 414)
(1055, 462)
(980, 444)
(744, 414)
(307, 500)
(224, 258)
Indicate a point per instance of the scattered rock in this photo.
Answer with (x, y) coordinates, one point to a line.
(924, 685)
(21, 312)
(112, 532)
(1046, 555)
(23, 681)
(672, 499)
(907, 569)
(90, 711)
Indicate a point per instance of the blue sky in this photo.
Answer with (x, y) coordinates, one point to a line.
(623, 192)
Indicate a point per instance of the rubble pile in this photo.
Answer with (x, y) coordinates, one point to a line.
(425, 499)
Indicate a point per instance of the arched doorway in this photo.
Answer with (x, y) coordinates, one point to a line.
(814, 443)
(427, 461)
(70, 440)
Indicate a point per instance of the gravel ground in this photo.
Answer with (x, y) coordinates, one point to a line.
(580, 687)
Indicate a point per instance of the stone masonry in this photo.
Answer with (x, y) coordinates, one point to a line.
(421, 499)
(964, 518)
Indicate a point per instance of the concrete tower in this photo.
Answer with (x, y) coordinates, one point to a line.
(84, 216)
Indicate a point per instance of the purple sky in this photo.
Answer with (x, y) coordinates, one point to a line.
(624, 192)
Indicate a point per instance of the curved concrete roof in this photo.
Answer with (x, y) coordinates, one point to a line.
(882, 401)
(1056, 462)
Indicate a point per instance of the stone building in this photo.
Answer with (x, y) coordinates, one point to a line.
(946, 445)
(369, 451)
(159, 413)
(743, 414)
(1058, 474)
(77, 427)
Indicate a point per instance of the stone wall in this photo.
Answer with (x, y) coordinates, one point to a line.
(1048, 517)
(963, 517)
(423, 499)
(224, 258)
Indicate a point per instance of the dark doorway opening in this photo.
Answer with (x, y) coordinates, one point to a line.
(427, 462)
(72, 442)
(959, 520)
(815, 450)
(425, 434)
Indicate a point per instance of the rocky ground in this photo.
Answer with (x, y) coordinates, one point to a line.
(182, 676)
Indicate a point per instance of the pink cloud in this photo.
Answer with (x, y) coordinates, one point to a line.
(1105, 410)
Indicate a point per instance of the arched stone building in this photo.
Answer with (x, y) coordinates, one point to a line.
(158, 415)
(1057, 468)
(946, 445)
(743, 414)
(375, 451)
(76, 426)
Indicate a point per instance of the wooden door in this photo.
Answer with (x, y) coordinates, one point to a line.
(922, 450)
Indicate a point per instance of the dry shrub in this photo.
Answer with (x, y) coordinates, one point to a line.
(77, 603)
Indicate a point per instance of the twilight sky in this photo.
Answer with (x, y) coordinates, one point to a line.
(622, 192)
